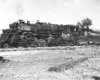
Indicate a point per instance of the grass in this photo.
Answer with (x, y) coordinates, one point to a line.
(35, 64)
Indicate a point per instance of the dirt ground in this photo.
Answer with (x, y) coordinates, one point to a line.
(33, 63)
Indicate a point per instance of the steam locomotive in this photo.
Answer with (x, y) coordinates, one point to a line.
(40, 34)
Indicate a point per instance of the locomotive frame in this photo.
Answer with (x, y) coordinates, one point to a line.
(39, 34)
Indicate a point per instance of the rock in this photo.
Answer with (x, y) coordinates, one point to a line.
(55, 69)
(1, 58)
(4, 60)
(96, 77)
(67, 65)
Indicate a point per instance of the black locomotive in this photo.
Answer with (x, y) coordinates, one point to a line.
(40, 34)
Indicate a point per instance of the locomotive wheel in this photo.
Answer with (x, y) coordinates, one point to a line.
(28, 39)
(34, 44)
(41, 43)
(70, 43)
(5, 45)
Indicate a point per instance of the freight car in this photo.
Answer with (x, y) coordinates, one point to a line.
(40, 34)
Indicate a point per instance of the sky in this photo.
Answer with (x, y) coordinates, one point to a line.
(53, 11)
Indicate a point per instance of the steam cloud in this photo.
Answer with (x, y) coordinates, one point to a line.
(3, 0)
(15, 5)
(18, 6)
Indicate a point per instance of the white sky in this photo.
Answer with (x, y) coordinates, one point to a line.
(53, 11)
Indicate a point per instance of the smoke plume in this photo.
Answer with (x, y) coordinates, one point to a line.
(3, 0)
(18, 7)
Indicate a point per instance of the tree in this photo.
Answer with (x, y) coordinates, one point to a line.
(87, 22)
(80, 25)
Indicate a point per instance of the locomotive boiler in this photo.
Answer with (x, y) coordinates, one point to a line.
(40, 34)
